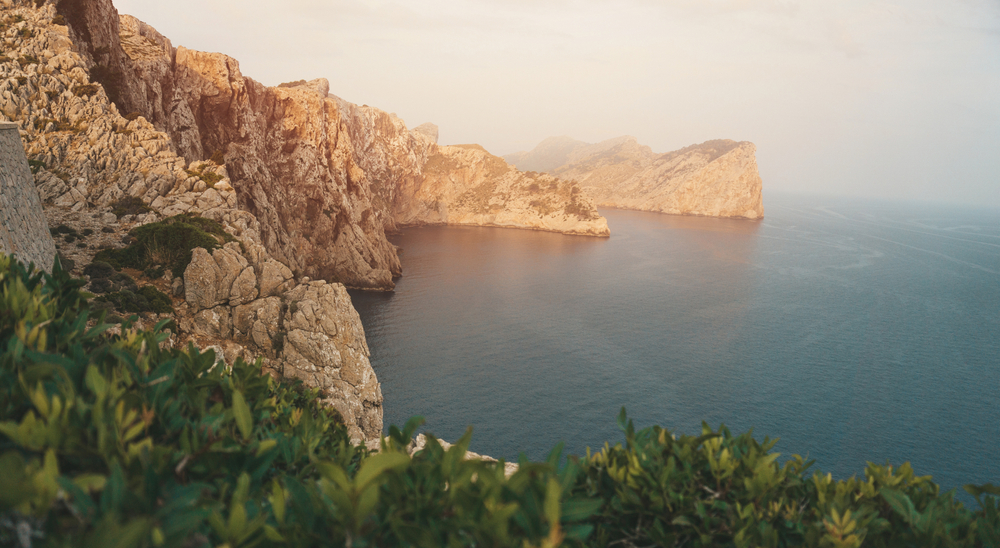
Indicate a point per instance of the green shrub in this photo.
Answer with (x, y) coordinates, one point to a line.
(129, 205)
(120, 440)
(59, 20)
(36, 165)
(85, 90)
(166, 243)
(146, 299)
(209, 177)
(218, 158)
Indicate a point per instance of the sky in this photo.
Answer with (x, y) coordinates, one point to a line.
(876, 98)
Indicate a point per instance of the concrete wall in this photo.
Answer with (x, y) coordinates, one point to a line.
(23, 228)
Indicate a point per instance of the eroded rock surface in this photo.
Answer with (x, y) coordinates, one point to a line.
(465, 185)
(88, 157)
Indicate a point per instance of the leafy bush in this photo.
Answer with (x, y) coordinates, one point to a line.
(167, 243)
(218, 158)
(36, 165)
(129, 205)
(59, 20)
(209, 177)
(146, 299)
(119, 440)
(85, 89)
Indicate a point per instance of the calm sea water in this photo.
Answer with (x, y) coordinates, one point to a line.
(854, 331)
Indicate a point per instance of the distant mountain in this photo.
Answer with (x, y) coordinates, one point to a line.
(716, 178)
(547, 156)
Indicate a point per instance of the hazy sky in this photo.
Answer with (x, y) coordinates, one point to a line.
(890, 99)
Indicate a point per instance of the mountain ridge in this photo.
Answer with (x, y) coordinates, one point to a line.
(716, 178)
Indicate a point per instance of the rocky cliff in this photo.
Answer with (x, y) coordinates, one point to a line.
(320, 174)
(465, 185)
(125, 129)
(716, 178)
(23, 229)
(100, 174)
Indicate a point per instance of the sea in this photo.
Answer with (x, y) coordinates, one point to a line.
(853, 330)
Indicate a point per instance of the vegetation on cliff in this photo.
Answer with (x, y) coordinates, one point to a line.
(167, 243)
(117, 439)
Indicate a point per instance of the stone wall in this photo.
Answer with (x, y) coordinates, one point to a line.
(23, 229)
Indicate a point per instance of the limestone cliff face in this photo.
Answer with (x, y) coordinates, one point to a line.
(23, 229)
(716, 178)
(465, 185)
(322, 175)
(240, 299)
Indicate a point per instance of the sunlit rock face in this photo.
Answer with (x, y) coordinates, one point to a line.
(324, 177)
(716, 178)
(238, 299)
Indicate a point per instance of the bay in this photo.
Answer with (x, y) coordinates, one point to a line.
(853, 330)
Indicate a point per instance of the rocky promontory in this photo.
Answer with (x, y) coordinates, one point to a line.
(716, 178)
(465, 185)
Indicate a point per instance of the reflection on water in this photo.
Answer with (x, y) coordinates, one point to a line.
(855, 331)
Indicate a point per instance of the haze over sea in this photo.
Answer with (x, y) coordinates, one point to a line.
(853, 330)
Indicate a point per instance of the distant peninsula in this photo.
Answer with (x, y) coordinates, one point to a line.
(717, 178)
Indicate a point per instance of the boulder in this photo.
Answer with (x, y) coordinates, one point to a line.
(325, 347)
(222, 277)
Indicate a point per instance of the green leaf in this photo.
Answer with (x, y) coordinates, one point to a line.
(375, 466)
(579, 510)
(242, 413)
(901, 504)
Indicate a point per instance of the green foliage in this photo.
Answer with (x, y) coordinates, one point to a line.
(218, 158)
(118, 440)
(59, 20)
(85, 90)
(167, 243)
(717, 489)
(146, 299)
(129, 205)
(209, 177)
(36, 165)
(26, 60)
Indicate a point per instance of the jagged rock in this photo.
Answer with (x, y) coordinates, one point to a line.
(214, 323)
(257, 324)
(275, 278)
(325, 347)
(222, 277)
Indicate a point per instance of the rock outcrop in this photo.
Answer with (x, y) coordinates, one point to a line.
(465, 185)
(23, 229)
(715, 178)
